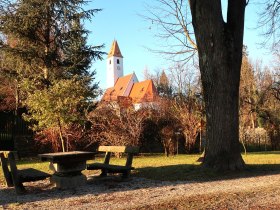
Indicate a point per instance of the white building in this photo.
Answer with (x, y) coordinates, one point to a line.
(127, 87)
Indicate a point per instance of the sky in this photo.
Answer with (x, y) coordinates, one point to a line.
(120, 20)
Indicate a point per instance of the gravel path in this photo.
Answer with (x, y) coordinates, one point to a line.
(140, 193)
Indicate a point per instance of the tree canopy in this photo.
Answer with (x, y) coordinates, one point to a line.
(44, 50)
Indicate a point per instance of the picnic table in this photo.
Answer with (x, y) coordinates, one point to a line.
(67, 167)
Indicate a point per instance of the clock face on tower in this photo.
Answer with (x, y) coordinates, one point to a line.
(118, 68)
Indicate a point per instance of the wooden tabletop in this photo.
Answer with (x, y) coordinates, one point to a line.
(67, 156)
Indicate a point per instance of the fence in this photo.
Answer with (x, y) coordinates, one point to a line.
(10, 127)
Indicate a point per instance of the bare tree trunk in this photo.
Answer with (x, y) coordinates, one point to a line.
(252, 120)
(61, 136)
(16, 97)
(47, 60)
(200, 138)
(220, 55)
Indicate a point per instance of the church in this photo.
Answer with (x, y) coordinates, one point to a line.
(126, 88)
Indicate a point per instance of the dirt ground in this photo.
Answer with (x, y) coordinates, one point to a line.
(259, 192)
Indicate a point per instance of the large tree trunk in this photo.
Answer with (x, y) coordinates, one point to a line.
(220, 54)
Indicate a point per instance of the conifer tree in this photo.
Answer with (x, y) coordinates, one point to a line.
(43, 45)
(164, 88)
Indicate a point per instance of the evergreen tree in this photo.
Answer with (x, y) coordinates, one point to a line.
(164, 89)
(43, 45)
(78, 57)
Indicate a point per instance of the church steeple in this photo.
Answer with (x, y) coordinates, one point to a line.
(115, 50)
(114, 64)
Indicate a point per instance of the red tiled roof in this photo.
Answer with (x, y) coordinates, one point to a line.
(122, 84)
(111, 94)
(143, 92)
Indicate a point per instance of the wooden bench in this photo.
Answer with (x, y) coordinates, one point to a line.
(106, 167)
(15, 177)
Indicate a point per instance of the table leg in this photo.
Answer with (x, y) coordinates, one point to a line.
(68, 182)
(68, 175)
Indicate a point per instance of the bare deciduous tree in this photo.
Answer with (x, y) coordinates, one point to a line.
(219, 45)
(172, 20)
(268, 106)
(168, 125)
(247, 91)
(111, 126)
(270, 20)
(183, 77)
(189, 114)
(168, 140)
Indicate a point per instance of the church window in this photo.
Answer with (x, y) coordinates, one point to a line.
(110, 62)
(118, 61)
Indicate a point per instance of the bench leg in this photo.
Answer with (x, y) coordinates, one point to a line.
(14, 172)
(126, 174)
(5, 169)
(19, 188)
(103, 172)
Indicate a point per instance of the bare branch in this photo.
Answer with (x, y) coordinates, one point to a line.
(173, 27)
(270, 20)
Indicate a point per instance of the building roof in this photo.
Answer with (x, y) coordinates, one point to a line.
(143, 92)
(111, 94)
(115, 50)
(122, 84)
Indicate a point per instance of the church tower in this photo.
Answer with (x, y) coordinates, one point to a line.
(114, 64)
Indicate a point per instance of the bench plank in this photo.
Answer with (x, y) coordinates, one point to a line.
(113, 168)
(122, 149)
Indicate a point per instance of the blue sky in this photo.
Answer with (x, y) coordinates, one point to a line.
(120, 20)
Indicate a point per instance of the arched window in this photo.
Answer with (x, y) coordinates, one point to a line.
(109, 61)
(118, 61)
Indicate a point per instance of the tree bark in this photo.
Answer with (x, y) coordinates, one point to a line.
(220, 54)
(47, 37)
(60, 135)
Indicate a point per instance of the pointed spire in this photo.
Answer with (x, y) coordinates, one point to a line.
(163, 80)
(115, 50)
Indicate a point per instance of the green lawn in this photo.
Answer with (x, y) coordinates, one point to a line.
(181, 167)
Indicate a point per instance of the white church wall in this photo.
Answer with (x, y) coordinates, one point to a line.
(142, 105)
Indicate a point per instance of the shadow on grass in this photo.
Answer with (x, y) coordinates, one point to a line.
(265, 153)
(197, 173)
(146, 177)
